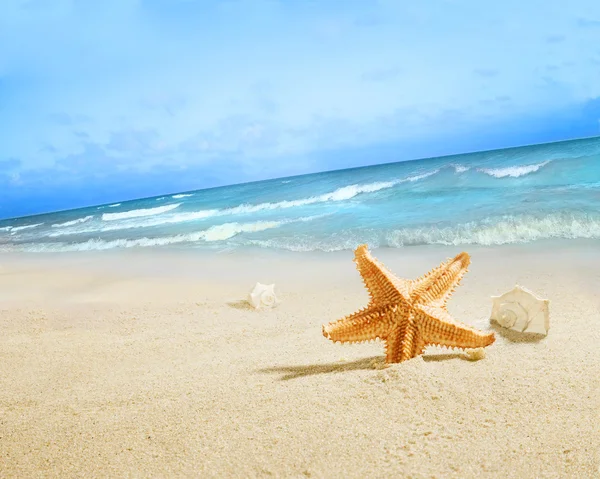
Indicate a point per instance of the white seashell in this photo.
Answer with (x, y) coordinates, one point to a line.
(521, 310)
(263, 295)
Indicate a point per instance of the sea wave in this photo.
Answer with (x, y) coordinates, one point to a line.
(340, 194)
(108, 206)
(458, 168)
(215, 233)
(513, 171)
(144, 223)
(16, 229)
(582, 186)
(490, 232)
(182, 195)
(139, 212)
(503, 230)
(73, 222)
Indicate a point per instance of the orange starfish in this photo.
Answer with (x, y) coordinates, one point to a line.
(407, 315)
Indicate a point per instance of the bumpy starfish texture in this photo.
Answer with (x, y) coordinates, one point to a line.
(407, 315)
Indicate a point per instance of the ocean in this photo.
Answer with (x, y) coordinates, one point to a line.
(515, 195)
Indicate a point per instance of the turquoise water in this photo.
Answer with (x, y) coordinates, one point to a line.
(497, 197)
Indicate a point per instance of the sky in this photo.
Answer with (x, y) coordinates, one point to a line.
(120, 99)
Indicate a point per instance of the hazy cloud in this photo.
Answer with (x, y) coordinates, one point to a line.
(382, 74)
(9, 164)
(486, 72)
(60, 119)
(169, 104)
(81, 135)
(137, 142)
(588, 23)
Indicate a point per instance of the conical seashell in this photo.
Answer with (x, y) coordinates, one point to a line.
(521, 310)
(263, 295)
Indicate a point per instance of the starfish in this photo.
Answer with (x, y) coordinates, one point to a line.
(407, 315)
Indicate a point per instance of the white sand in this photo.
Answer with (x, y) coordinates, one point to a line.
(149, 364)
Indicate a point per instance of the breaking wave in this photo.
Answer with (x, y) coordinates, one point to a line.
(490, 232)
(109, 206)
(503, 230)
(213, 234)
(340, 194)
(73, 222)
(16, 229)
(473, 200)
(460, 168)
(513, 171)
(138, 213)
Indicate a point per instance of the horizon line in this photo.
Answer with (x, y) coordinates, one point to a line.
(299, 176)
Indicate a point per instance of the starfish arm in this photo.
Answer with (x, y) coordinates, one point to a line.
(436, 287)
(439, 328)
(364, 325)
(382, 285)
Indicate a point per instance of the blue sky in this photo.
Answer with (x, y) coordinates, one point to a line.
(103, 101)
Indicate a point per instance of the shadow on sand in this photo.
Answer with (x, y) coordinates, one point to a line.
(240, 304)
(445, 357)
(294, 372)
(374, 362)
(516, 336)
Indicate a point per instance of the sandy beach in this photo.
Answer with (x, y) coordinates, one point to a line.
(146, 363)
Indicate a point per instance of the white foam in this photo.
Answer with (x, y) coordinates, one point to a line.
(139, 213)
(144, 223)
(460, 168)
(108, 206)
(513, 171)
(492, 232)
(503, 230)
(182, 195)
(73, 222)
(16, 229)
(343, 193)
(6, 228)
(212, 234)
(418, 177)
(229, 230)
(581, 186)
(340, 194)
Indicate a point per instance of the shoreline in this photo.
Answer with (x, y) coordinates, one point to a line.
(583, 244)
(146, 362)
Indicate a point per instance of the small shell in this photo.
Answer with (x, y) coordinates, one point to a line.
(263, 295)
(475, 354)
(521, 310)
